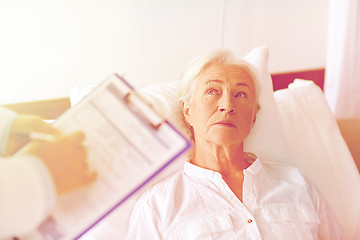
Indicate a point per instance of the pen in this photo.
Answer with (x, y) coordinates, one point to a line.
(37, 136)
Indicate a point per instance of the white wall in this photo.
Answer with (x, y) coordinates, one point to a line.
(294, 30)
(47, 47)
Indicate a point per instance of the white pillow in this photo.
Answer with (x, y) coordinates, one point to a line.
(320, 151)
(267, 139)
(163, 98)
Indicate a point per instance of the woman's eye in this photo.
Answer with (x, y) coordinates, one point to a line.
(241, 95)
(211, 92)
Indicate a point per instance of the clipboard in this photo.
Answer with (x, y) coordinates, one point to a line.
(128, 144)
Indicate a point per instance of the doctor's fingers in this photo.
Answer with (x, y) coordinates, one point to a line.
(74, 139)
(79, 157)
(82, 171)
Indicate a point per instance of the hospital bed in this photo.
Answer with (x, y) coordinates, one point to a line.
(296, 128)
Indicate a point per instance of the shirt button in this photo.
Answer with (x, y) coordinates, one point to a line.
(249, 221)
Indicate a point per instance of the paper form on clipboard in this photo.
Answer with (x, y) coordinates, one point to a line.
(128, 144)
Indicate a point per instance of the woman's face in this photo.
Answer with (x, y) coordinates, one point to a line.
(223, 107)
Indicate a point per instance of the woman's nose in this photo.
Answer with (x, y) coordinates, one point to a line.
(226, 105)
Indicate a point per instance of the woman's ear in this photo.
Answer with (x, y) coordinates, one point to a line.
(257, 109)
(253, 120)
(186, 112)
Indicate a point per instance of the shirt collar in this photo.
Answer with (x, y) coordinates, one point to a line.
(200, 172)
(255, 167)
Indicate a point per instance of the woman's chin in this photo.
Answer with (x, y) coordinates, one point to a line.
(226, 139)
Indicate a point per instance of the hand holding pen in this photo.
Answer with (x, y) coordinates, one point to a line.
(64, 155)
(25, 128)
(66, 159)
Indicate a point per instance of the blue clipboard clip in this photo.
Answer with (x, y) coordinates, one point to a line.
(143, 109)
(123, 91)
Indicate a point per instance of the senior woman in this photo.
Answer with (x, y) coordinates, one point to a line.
(224, 192)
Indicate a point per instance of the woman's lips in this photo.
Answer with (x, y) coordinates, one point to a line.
(225, 124)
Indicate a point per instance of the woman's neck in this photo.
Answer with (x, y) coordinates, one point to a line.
(228, 160)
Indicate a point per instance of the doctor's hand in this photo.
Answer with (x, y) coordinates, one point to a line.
(66, 160)
(22, 126)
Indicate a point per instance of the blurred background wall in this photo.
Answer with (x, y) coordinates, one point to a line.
(47, 47)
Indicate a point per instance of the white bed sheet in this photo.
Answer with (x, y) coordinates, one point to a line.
(320, 151)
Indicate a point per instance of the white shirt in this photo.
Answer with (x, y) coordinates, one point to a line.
(278, 203)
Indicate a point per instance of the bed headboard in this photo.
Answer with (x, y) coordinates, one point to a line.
(282, 80)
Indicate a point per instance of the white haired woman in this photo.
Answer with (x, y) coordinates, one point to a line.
(223, 192)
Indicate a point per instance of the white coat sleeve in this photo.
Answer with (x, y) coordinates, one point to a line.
(27, 191)
(27, 194)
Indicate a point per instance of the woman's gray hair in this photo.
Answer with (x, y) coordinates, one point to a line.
(199, 64)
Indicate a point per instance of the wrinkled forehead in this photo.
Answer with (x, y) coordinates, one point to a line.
(229, 73)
